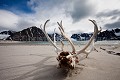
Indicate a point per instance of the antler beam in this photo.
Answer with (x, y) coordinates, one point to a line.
(49, 39)
(96, 31)
(65, 35)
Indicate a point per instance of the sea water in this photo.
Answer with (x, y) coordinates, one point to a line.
(75, 42)
(106, 42)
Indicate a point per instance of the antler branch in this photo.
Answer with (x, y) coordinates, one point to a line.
(57, 48)
(91, 39)
(65, 35)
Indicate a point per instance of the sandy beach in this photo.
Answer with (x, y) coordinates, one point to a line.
(38, 62)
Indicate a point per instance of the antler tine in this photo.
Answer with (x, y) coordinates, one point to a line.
(91, 39)
(57, 48)
(89, 51)
(54, 36)
(61, 26)
(62, 45)
(100, 30)
(63, 33)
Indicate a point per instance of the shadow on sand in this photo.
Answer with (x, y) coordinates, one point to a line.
(44, 72)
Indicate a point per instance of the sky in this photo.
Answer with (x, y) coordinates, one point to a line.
(20, 14)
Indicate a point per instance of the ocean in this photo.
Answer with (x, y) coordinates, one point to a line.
(58, 42)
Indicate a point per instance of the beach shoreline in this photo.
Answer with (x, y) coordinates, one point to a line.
(38, 62)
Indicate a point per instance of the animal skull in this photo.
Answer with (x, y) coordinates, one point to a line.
(66, 58)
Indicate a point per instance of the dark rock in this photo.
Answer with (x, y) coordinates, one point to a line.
(117, 54)
(29, 34)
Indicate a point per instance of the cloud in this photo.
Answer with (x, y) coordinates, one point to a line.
(76, 31)
(73, 13)
(47, 9)
(113, 25)
(81, 9)
(74, 9)
(22, 24)
(11, 21)
(8, 20)
(109, 13)
(109, 18)
(49, 4)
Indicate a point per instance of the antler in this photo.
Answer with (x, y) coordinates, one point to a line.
(57, 48)
(91, 39)
(62, 45)
(89, 51)
(54, 36)
(66, 58)
(65, 35)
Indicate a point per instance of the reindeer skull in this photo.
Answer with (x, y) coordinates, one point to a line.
(66, 58)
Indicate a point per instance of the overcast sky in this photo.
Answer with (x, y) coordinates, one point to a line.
(21, 14)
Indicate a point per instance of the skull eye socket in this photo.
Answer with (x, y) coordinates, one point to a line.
(64, 53)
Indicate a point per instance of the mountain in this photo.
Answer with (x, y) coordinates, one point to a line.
(81, 36)
(5, 34)
(35, 34)
(30, 34)
(113, 34)
(58, 37)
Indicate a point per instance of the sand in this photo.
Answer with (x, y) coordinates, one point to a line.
(38, 62)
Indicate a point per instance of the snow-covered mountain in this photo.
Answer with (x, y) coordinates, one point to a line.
(36, 34)
(5, 34)
(113, 34)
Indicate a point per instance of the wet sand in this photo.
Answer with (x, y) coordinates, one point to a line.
(38, 62)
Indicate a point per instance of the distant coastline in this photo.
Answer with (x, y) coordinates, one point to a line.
(79, 43)
(36, 34)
